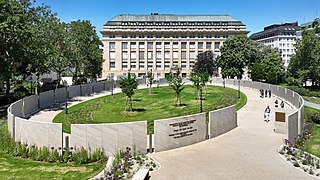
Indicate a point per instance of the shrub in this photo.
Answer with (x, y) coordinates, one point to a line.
(98, 155)
(315, 117)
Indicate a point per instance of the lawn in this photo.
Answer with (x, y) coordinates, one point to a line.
(313, 145)
(17, 168)
(312, 99)
(158, 105)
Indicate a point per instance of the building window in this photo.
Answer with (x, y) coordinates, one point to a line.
(150, 45)
(158, 45)
(183, 54)
(216, 45)
(112, 65)
(133, 55)
(133, 45)
(167, 55)
(175, 54)
(200, 45)
(191, 64)
(141, 65)
(112, 45)
(124, 36)
(158, 65)
(112, 55)
(208, 45)
(183, 36)
(124, 45)
(158, 55)
(141, 55)
(175, 45)
(150, 65)
(112, 36)
(183, 45)
(124, 55)
(141, 36)
(124, 65)
(192, 55)
(133, 65)
(200, 36)
(167, 65)
(192, 45)
(141, 45)
(184, 65)
(150, 55)
(167, 45)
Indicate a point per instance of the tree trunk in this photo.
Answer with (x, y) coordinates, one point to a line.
(130, 104)
(37, 84)
(8, 90)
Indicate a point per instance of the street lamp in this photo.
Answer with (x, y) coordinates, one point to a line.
(200, 98)
(111, 84)
(67, 96)
(238, 88)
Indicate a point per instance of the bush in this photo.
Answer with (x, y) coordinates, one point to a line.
(315, 117)
(292, 81)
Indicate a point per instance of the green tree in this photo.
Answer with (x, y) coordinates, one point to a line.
(15, 35)
(151, 80)
(199, 78)
(175, 82)
(306, 60)
(236, 54)
(128, 85)
(86, 56)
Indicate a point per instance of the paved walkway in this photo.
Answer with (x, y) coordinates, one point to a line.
(247, 152)
(313, 105)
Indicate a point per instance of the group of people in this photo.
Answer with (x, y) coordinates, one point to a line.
(265, 93)
(276, 103)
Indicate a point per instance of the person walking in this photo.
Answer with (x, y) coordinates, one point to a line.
(267, 114)
(276, 103)
(266, 93)
(269, 93)
(282, 104)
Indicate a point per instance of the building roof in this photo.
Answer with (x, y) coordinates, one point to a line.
(275, 30)
(309, 24)
(155, 17)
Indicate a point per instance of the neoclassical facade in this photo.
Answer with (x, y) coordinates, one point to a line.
(159, 42)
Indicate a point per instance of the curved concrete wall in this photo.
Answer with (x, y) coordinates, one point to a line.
(113, 136)
(110, 137)
(31, 104)
(222, 121)
(179, 131)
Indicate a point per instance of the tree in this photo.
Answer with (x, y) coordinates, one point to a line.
(86, 56)
(128, 85)
(175, 82)
(15, 35)
(306, 60)
(206, 63)
(237, 53)
(199, 79)
(151, 80)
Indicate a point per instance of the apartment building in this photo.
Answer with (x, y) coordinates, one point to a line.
(281, 36)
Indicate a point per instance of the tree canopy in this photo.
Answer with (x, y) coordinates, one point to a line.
(304, 64)
(206, 63)
(128, 84)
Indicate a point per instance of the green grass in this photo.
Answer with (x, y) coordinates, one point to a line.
(17, 168)
(313, 145)
(158, 105)
(312, 99)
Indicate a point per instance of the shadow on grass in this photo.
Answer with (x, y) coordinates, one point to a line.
(137, 100)
(138, 110)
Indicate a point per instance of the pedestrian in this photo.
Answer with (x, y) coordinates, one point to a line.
(282, 104)
(269, 93)
(262, 93)
(266, 94)
(276, 103)
(267, 114)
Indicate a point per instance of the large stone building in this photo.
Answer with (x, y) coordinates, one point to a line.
(281, 36)
(162, 41)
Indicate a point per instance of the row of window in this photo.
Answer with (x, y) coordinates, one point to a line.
(166, 66)
(150, 55)
(175, 23)
(191, 36)
(166, 45)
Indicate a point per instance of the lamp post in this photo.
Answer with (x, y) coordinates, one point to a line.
(200, 98)
(111, 84)
(238, 88)
(67, 96)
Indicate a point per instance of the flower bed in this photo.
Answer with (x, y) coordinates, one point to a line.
(126, 164)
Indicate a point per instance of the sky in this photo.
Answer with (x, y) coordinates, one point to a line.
(255, 14)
